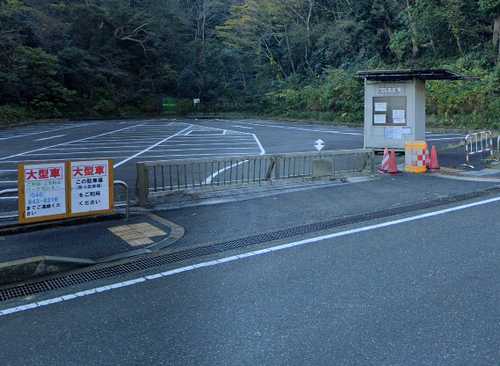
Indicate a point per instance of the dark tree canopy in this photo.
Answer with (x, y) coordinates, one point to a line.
(109, 57)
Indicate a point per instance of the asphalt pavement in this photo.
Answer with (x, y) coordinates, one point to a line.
(415, 287)
(130, 141)
(421, 289)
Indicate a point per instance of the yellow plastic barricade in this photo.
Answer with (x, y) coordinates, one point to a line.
(416, 157)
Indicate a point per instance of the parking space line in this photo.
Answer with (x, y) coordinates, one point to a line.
(188, 155)
(308, 129)
(80, 152)
(50, 138)
(46, 131)
(262, 151)
(69, 142)
(151, 147)
(211, 177)
(244, 127)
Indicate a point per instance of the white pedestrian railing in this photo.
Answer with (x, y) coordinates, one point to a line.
(478, 143)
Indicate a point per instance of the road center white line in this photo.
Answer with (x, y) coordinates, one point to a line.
(254, 253)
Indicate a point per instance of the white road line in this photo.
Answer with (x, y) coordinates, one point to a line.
(81, 153)
(173, 143)
(309, 129)
(8, 181)
(61, 159)
(50, 138)
(68, 142)
(216, 262)
(244, 127)
(8, 170)
(100, 148)
(151, 147)
(210, 178)
(194, 155)
(204, 149)
(46, 131)
(445, 139)
(262, 150)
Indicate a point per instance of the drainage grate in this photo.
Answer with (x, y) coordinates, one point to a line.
(147, 262)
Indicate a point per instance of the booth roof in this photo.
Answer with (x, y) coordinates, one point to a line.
(410, 74)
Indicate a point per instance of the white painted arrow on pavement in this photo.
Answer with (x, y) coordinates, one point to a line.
(319, 144)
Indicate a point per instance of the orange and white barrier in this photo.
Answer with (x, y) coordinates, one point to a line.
(416, 157)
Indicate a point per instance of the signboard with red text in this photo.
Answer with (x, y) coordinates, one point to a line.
(60, 190)
(91, 187)
(42, 191)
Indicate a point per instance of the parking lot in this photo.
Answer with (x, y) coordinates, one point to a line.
(127, 142)
(124, 142)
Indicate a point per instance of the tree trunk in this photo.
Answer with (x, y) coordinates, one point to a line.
(413, 32)
(496, 37)
(308, 33)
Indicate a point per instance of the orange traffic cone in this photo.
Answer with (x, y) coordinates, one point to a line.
(393, 163)
(434, 165)
(427, 159)
(384, 167)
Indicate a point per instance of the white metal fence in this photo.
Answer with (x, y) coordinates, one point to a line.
(478, 143)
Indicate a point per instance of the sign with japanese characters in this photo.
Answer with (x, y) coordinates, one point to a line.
(42, 191)
(91, 187)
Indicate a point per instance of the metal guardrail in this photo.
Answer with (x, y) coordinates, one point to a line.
(165, 176)
(6, 194)
(119, 183)
(125, 203)
(478, 143)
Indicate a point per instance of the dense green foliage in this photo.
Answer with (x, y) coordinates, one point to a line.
(295, 58)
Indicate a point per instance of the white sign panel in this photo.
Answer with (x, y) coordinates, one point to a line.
(90, 186)
(379, 119)
(399, 116)
(389, 91)
(44, 193)
(396, 133)
(380, 107)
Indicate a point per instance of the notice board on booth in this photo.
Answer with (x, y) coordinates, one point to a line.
(390, 110)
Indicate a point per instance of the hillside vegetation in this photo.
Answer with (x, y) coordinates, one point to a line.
(293, 58)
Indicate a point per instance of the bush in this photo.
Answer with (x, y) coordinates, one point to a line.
(11, 114)
(338, 96)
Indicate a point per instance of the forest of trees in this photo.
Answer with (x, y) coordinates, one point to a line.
(295, 58)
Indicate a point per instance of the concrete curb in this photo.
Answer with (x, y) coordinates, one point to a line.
(25, 269)
(176, 233)
(12, 229)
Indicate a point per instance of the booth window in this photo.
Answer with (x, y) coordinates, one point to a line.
(389, 111)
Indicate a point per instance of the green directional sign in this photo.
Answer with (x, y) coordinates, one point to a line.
(169, 104)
